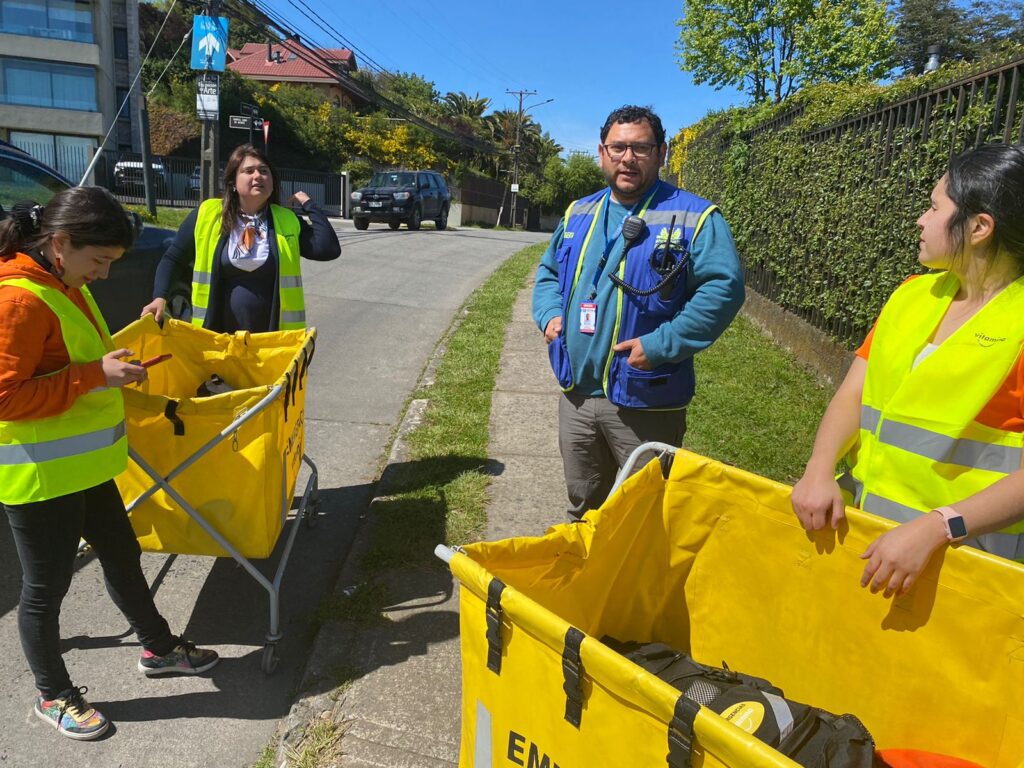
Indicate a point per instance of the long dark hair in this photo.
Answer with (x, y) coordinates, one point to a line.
(989, 179)
(230, 206)
(87, 215)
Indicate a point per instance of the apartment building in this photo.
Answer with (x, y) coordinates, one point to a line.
(65, 68)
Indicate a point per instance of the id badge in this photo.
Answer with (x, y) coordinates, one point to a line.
(588, 317)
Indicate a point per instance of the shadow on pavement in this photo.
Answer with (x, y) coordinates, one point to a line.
(395, 600)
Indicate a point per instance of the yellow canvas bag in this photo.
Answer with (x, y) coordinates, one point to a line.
(243, 487)
(714, 561)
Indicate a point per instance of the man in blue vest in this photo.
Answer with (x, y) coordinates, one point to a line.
(637, 279)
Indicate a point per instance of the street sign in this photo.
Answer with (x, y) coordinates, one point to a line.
(266, 132)
(248, 109)
(244, 122)
(209, 42)
(515, 187)
(208, 96)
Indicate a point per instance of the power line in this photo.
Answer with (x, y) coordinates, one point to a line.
(128, 95)
(365, 91)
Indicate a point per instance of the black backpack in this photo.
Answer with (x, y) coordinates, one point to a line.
(807, 735)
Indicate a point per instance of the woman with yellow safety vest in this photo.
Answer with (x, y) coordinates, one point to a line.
(244, 252)
(62, 440)
(931, 413)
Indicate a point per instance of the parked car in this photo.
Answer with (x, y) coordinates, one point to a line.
(402, 196)
(128, 175)
(195, 179)
(129, 286)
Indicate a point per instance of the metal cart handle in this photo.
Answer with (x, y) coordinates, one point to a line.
(634, 458)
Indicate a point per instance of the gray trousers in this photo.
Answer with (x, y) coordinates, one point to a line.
(595, 439)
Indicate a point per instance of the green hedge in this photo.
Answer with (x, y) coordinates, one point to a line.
(825, 222)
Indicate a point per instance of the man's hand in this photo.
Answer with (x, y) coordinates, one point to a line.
(554, 328)
(637, 358)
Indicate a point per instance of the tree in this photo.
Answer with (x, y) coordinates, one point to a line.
(563, 181)
(768, 48)
(462, 105)
(963, 33)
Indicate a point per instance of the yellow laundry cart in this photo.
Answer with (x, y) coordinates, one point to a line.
(712, 561)
(216, 443)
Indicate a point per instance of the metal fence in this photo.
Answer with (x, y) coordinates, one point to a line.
(177, 184)
(902, 148)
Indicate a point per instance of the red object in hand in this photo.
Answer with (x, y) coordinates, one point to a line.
(154, 360)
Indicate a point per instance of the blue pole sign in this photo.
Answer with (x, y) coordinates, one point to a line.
(209, 42)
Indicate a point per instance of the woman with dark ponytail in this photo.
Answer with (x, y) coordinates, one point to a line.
(931, 413)
(62, 440)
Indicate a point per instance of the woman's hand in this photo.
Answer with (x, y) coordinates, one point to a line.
(157, 308)
(119, 373)
(299, 197)
(897, 557)
(816, 499)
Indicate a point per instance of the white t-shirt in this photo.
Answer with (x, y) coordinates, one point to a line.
(249, 260)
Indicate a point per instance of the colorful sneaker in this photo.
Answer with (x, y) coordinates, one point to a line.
(185, 659)
(71, 715)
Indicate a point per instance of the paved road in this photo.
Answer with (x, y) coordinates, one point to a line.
(380, 310)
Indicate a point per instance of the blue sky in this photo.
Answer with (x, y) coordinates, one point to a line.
(590, 57)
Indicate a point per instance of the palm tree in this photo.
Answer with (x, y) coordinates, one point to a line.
(462, 105)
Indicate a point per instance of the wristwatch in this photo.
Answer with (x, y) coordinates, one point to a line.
(956, 528)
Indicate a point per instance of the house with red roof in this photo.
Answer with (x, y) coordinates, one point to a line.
(290, 61)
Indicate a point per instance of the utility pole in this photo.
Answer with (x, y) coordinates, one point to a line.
(209, 155)
(515, 149)
(147, 166)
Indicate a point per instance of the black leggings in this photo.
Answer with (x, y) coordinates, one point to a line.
(46, 534)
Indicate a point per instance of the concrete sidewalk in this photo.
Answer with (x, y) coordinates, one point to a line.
(401, 708)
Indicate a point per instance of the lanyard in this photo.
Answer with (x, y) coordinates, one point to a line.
(611, 241)
(609, 244)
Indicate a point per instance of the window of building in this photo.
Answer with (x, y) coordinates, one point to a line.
(69, 155)
(59, 19)
(120, 43)
(126, 113)
(31, 83)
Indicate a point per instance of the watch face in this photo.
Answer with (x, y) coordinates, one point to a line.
(957, 527)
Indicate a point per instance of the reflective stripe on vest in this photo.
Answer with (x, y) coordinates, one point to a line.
(42, 459)
(920, 446)
(289, 273)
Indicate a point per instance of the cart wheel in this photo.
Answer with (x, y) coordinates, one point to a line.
(312, 511)
(270, 659)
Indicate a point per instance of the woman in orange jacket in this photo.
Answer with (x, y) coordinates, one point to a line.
(62, 441)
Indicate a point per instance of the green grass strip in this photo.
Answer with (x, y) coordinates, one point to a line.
(756, 406)
(440, 494)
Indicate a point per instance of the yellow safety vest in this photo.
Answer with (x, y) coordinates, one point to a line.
(42, 459)
(289, 273)
(919, 444)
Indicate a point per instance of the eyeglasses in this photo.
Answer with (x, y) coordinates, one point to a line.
(640, 151)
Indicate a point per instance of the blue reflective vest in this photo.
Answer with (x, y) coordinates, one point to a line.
(669, 386)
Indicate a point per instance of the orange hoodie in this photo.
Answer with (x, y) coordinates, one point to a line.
(32, 346)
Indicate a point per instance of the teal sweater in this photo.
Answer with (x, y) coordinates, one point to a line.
(716, 296)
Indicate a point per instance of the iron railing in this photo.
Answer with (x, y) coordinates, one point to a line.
(903, 146)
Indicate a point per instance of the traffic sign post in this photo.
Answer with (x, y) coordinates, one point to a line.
(245, 123)
(209, 43)
(209, 55)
